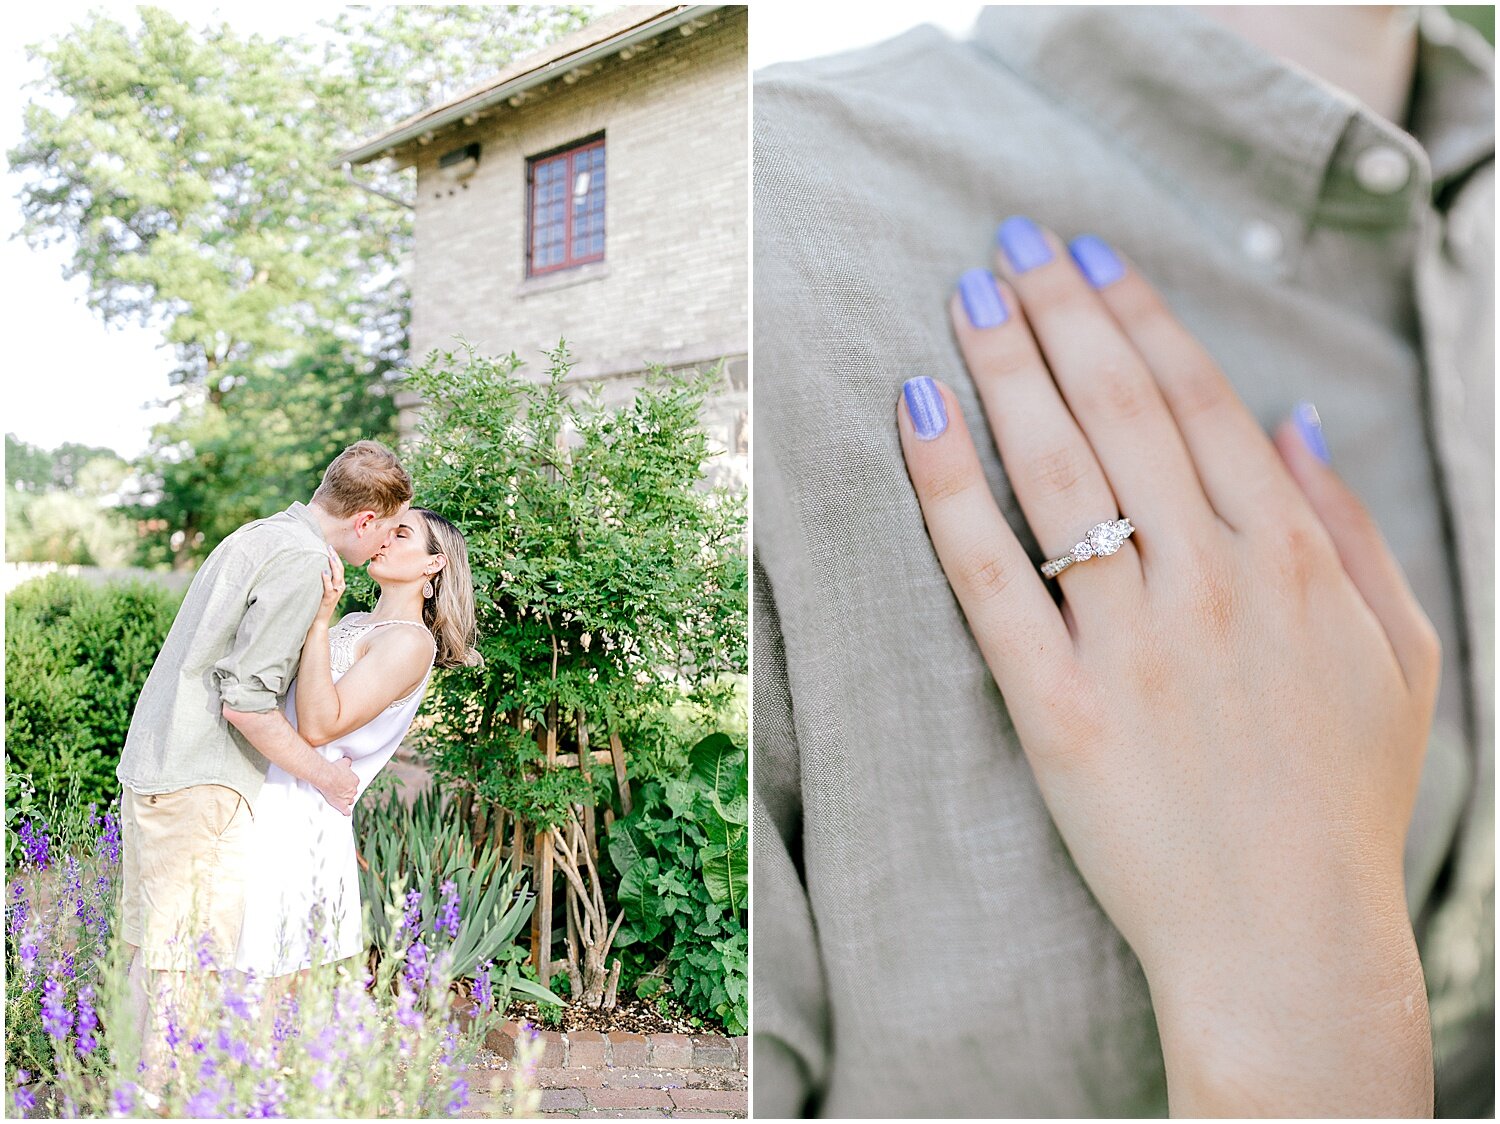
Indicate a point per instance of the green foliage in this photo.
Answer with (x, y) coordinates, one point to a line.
(76, 657)
(607, 579)
(422, 848)
(683, 866)
(233, 458)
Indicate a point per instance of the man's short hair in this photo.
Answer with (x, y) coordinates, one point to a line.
(364, 477)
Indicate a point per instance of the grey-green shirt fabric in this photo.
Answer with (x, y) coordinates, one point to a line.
(236, 642)
(923, 944)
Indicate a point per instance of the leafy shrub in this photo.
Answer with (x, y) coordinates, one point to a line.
(606, 577)
(682, 857)
(76, 657)
(344, 1042)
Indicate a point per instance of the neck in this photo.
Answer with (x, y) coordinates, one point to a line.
(328, 524)
(1371, 52)
(399, 602)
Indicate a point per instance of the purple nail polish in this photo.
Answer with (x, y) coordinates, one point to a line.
(1024, 245)
(1096, 261)
(982, 300)
(1310, 426)
(929, 417)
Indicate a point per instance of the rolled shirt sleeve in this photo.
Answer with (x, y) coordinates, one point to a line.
(280, 608)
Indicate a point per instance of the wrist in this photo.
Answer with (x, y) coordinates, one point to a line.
(1337, 1026)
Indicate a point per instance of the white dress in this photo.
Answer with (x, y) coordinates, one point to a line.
(302, 887)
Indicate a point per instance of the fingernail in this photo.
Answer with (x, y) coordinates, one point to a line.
(929, 417)
(1096, 260)
(982, 300)
(1024, 245)
(1305, 414)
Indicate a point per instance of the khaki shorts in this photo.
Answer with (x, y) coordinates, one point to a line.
(183, 876)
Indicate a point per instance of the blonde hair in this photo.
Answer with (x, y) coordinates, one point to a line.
(364, 477)
(449, 612)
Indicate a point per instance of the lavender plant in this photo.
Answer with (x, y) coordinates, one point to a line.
(342, 1039)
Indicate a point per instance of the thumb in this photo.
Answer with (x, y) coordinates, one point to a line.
(1362, 548)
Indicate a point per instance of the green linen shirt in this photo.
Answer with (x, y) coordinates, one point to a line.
(923, 944)
(236, 642)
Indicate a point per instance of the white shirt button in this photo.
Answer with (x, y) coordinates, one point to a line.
(1382, 170)
(1261, 242)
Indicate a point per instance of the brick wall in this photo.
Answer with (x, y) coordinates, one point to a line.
(673, 287)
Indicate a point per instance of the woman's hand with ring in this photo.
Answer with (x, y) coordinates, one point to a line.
(1227, 715)
(333, 589)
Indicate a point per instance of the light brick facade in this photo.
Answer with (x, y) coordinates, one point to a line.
(673, 287)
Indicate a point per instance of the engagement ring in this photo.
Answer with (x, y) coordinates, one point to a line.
(1103, 539)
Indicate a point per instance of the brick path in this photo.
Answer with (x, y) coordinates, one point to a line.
(617, 1093)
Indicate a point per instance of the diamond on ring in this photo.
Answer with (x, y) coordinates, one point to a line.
(1102, 540)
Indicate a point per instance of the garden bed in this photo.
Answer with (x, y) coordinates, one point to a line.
(635, 1016)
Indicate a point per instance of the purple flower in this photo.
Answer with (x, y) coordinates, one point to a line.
(204, 1103)
(484, 988)
(205, 951)
(36, 843)
(448, 917)
(88, 1021)
(406, 1009)
(75, 874)
(109, 840)
(237, 1004)
(417, 965)
(31, 947)
(68, 967)
(411, 918)
(57, 1020)
(24, 1099)
(173, 1034)
(323, 1080)
(122, 1102)
(458, 1096)
(19, 908)
(320, 1049)
(270, 1095)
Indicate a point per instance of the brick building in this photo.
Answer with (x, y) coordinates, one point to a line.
(596, 191)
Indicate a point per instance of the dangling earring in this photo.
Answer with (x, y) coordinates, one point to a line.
(427, 589)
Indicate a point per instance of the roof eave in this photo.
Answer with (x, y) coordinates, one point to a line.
(455, 112)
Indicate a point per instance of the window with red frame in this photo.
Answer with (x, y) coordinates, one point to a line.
(565, 214)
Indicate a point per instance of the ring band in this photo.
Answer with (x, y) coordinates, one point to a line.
(1103, 539)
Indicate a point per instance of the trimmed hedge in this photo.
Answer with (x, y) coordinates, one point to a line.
(76, 657)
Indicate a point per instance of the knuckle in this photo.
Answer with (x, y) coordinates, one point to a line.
(1057, 473)
(1212, 592)
(945, 482)
(1119, 390)
(1201, 392)
(1300, 554)
(980, 576)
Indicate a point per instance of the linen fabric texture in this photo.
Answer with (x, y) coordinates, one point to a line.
(236, 642)
(923, 944)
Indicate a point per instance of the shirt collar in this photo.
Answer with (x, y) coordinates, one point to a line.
(1240, 136)
(301, 513)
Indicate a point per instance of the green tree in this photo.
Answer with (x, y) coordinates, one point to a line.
(27, 467)
(189, 172)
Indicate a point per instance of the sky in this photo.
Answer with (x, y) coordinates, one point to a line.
(75, 379)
